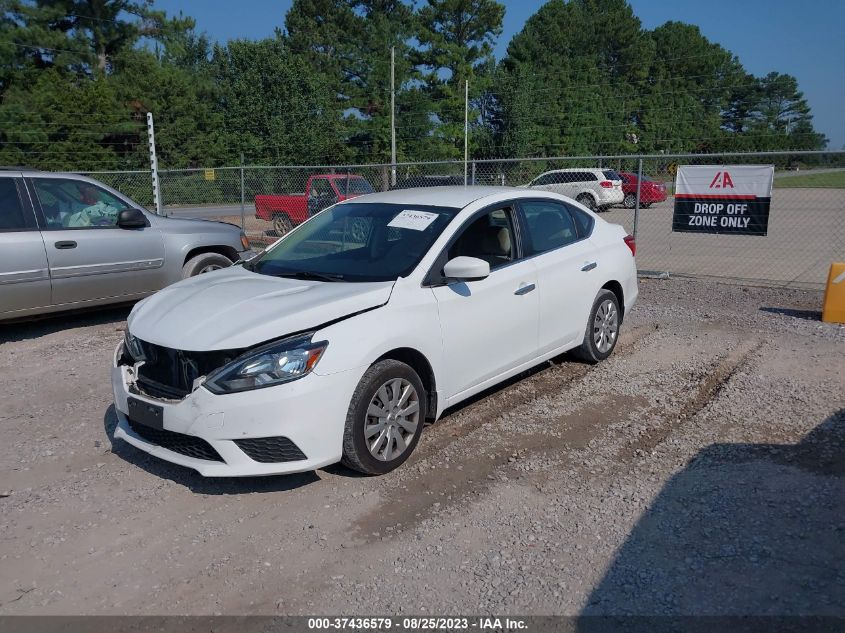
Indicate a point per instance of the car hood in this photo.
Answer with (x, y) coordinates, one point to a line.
(235, 308)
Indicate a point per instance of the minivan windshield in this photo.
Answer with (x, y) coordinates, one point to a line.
(356, 242)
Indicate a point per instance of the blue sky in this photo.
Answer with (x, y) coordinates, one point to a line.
(803, 39)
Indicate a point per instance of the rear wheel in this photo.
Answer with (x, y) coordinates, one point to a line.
(630, 201)
(281, 224)
(204, 263)
(587, 200)
(385, 418)
(602, 328)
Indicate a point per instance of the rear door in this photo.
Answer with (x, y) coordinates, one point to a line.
(557, 241)
(24, 273)
(91, 257)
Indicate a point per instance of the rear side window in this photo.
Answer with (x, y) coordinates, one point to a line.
(12, 217)
(583, 221)
(549, 225)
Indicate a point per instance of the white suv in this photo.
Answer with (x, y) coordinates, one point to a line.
(596, 189)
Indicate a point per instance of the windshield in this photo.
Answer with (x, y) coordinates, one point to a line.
(353, 185)
(357, 242)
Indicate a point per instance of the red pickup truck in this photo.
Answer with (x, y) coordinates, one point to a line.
(322, 190)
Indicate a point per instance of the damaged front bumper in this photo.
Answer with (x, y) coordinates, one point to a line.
(242, 429)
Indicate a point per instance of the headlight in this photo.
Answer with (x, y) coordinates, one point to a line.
(268, 365)
(133, 347)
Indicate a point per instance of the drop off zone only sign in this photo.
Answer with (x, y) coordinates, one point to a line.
(730, 199)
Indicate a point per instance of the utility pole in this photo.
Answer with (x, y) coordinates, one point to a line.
(392, 115)
(466, 128)
(154, 163)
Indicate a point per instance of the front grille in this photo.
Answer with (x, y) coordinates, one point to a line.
(177, 442)
(170, 373)
(270, 450)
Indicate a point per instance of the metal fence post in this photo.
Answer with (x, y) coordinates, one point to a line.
(154, 164)
(637, 206)
(473, 174)
(243, 210)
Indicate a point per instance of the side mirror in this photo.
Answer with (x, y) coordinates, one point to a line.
(131, 219)
(466, 269)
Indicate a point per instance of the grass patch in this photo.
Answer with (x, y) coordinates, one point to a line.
(831, 179)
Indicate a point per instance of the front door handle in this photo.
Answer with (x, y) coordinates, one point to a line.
(524, 289)
(65, 244)
(588, 266)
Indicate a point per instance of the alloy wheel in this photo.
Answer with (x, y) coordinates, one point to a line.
(606, 326)
(391, 420)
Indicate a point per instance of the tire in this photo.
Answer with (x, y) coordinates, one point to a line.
(593, 350)
(376, 390)
(630, 201)
(281, 224)
(204, 263)
(587, 200)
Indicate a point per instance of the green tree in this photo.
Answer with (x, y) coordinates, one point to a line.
(275, 109)
(570, 80)
(456, 39)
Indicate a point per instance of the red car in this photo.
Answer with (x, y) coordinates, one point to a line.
(321, 191)
(651, 191)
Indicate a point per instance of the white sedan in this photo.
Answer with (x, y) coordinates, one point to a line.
(377, 314)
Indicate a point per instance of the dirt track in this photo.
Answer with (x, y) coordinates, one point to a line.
(699, 470)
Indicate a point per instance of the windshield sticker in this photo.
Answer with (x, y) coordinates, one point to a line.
(414, 220)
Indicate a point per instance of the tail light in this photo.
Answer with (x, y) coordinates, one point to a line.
(606, 184)
(631, 243)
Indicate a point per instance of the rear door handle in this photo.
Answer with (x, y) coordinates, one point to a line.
(589, 266)
(524, 289)
(65, 244)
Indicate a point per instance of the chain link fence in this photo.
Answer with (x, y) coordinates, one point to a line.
(806, 230)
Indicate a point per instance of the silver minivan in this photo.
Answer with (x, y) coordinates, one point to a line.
(68, 241)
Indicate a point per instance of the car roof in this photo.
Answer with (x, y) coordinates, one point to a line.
(453, 196)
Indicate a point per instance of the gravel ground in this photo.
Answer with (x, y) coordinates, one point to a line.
(698, 471)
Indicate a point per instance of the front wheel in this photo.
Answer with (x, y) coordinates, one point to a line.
(385, 418)
(602, 328)
(204, 263)
(630, 201)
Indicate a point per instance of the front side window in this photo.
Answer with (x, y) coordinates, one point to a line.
(489, 237)
(356, 242)
(549, 225)
(11, 212)
(76, 204)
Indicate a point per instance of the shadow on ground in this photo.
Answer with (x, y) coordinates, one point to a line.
(36, 327)
(744, 529)
(809, 315)
(196, 482)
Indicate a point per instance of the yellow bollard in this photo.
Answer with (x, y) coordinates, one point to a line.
(833, 307)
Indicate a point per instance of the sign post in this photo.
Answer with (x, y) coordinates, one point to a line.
(727, 199)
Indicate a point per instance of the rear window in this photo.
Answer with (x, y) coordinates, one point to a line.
(353, 185)
(611, 175)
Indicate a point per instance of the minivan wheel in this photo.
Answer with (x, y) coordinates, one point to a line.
(630, 201)
(385, 418)
(602, 329)
(587, 200)
(204, 263)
